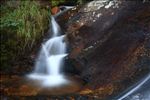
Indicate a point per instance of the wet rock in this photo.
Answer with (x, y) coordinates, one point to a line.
(107, 40)
(64, 17)
(55, 10)
(21, 86)
(90, 25)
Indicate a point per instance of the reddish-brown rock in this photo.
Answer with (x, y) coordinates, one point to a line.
(55, 10)
(108, 42)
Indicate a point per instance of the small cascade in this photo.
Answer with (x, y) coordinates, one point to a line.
(50, 60)
(55, 27)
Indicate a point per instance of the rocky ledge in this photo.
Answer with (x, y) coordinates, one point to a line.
(110, 43)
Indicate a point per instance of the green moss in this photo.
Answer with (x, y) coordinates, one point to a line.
(72, 2)
(21, 28)
(28, 20)
(56, 2)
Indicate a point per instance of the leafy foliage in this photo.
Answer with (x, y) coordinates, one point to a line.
(56, 2)
(27, 20)
(74, 2)
(21, 27)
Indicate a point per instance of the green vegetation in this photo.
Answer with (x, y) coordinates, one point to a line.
(56, 2)
(21, 26)
(75, 2)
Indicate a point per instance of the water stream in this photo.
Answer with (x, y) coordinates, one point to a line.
(51, 59)
(137, 90)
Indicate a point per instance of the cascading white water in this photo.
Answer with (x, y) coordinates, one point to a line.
(50, 60)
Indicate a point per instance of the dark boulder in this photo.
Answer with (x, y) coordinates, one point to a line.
(108, 40)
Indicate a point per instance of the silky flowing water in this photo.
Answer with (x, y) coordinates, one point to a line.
(51, 59)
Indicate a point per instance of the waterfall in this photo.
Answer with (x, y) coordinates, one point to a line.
(50, 60)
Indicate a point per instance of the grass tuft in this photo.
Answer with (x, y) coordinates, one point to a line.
(21, 27)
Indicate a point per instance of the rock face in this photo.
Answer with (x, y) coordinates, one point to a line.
(109, 40)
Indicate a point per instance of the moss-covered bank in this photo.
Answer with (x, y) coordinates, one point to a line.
(22, 26)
